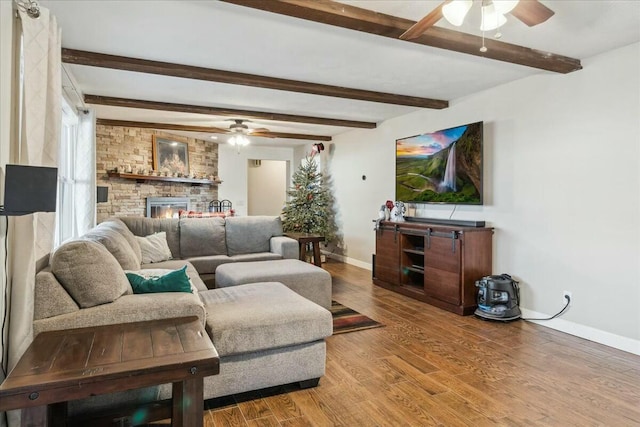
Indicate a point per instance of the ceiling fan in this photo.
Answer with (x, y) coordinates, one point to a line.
(239, 132)
(239, 126)
(531, 12)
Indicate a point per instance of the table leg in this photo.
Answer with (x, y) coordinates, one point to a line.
(35, 416)
(303, 251)
(58, 414)
(188, 403)
(316, 254)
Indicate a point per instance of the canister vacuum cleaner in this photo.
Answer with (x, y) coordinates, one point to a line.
(498, 298)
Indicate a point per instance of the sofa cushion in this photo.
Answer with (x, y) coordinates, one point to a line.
(172, 281)
(202, 236)
(119, 226)
(308, 280)
(154, 248)
(116, 244)
(89, 273)
(141, 226)
(261, 316)
(127, 309)
(148, 273)
(208, 264)
(256, 256)
(175, 264)
(50, 298)
(250, 234)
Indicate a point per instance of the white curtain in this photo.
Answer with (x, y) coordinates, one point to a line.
(32, 235)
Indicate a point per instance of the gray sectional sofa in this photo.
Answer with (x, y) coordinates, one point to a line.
(265, 333)
(209, 242)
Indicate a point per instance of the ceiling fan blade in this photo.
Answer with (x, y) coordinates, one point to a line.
(532, 12)
(424, 24)
(218, 130)
(258, 130)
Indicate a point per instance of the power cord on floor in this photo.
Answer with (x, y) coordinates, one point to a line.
(558, 314)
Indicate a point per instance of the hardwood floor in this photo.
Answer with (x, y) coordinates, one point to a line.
(430, 367)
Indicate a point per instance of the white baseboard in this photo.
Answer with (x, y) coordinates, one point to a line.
(351, 261)
(596, 335)
(586, 332)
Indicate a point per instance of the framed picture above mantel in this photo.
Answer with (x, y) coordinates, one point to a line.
(170, 156)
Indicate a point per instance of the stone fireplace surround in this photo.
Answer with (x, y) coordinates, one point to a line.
(118, 145)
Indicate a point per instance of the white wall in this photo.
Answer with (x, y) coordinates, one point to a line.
(562, 189)
(233, 170)
(267, 187)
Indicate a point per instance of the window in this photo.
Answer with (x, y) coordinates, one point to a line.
(66, 180)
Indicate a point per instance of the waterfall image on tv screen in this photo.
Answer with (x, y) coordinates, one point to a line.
(441, 167)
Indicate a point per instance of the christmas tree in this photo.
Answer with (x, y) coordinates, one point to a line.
(309, 209)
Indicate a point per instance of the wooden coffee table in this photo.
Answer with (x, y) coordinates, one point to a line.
(73, 364)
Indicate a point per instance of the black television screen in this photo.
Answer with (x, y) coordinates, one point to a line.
(441, 167)
(29, 189)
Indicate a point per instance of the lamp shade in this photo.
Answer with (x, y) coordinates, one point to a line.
(491, 19)
(239, 140)
(456, 10)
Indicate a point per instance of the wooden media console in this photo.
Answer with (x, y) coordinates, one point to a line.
(435, 263)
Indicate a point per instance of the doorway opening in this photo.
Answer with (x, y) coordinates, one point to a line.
(267, 186)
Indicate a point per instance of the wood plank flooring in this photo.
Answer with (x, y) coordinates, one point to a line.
(428, 367)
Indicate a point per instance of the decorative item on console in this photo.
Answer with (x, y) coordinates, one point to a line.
(382, 216)
(397, 212)
(390, 211)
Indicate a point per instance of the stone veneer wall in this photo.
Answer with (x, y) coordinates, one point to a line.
(117, 146)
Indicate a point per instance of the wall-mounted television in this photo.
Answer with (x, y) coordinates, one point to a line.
(441, 167)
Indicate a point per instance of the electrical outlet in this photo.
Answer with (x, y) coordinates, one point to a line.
(566, 294)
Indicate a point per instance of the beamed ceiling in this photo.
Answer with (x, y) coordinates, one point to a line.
(307, 69)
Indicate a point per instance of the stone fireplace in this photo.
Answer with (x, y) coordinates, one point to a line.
(166, 207)
(119, 145)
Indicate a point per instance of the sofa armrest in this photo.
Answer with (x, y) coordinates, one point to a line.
(128, 309)
(284, 246)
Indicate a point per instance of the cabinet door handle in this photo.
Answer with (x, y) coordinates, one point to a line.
(453, 241)
(428, 238)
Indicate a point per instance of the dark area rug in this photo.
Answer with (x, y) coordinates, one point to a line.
(348, 320)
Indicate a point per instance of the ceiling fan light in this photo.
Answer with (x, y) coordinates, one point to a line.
(456, 10)
(491, 19)
(505, 6)
(239, 140)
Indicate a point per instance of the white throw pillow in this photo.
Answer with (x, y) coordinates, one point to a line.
(154, 248)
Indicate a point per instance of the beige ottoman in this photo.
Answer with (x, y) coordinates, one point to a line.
(307, 280)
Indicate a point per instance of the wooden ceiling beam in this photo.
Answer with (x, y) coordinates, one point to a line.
(227, 112)
(207, 129)
(93, 59)
(368, 21)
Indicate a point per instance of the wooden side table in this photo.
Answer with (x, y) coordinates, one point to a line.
(73, 364)
(303, 239)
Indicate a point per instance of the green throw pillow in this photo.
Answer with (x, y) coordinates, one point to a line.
(176, 281)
